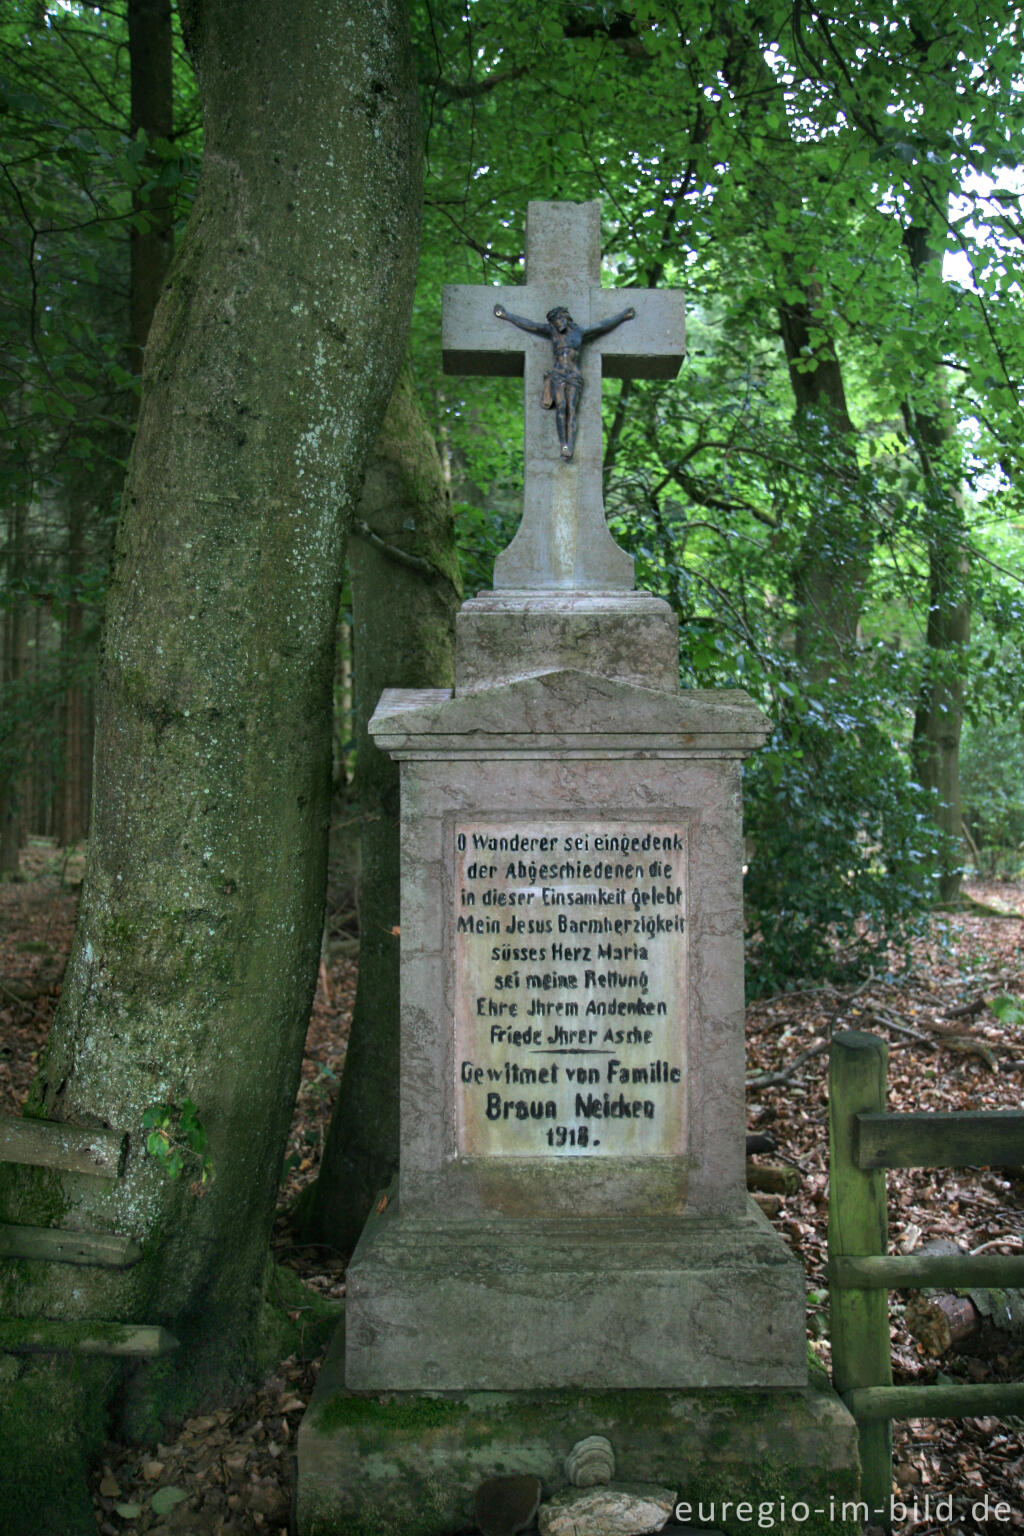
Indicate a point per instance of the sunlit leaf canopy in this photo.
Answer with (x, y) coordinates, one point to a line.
(831, 489)
(747, 152)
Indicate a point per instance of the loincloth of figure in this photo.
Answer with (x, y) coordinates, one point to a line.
(559, 381)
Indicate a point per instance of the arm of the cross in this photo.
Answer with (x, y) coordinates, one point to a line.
(650, 346)
(473, 339)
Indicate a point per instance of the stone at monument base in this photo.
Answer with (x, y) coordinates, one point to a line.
(574, 1302)
(377, 1464)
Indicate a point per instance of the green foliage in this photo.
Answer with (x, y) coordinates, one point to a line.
(992, 781)
(838, 468)
(481, 534)
(843, 850)
(1008, 1010)
(74, 183)
(177, 1139)
(70, 170)
(850, 406)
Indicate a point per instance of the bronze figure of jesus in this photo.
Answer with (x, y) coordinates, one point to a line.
(563, 386)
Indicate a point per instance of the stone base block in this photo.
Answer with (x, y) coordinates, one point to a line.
(372, 1465)
(502, 637)
(566, 1302)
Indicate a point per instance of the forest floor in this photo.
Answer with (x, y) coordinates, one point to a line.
(231, 1470)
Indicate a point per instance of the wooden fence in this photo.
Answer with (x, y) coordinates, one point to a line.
(864, 1142)
(71, 1149)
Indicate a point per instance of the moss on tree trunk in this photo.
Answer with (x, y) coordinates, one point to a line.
(270, 362)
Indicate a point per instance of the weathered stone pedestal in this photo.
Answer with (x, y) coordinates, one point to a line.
(570, 1248)
(572, 1182)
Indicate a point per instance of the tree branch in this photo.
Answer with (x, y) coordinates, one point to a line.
(414, 562)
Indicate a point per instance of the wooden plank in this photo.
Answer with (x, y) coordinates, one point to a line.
(857, 1223)
(52, 1144)
(47, 1336)
(56, 1245)
(870, 1405)
(973, 1138)
(912, 1271)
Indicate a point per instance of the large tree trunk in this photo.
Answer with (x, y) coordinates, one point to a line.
(404, 594)
(71, 810)
(270, 362)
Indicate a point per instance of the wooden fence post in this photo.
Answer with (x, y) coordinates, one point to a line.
(858, 1225)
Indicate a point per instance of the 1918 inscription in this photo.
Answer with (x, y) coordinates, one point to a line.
(570, 988)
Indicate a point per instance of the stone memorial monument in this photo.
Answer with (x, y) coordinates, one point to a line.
(570, 1228)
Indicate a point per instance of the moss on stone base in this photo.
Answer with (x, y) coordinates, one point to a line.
(375, 1463)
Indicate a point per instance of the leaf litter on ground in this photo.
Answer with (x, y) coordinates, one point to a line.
(230, 1472)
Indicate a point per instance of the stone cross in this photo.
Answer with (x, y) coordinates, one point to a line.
(563, 541)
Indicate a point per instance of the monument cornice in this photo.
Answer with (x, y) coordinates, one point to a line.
(568, 713)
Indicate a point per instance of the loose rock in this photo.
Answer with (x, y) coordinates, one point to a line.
(505, 1505)
(627, 1509)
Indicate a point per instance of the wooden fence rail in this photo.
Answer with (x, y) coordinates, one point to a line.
(71, 1149)
(863, 1142)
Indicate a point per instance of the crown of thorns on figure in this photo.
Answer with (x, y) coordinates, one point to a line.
(553, 314)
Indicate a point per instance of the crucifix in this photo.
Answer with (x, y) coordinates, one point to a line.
(563, 542)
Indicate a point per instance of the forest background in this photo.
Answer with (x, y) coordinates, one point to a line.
(829, 495)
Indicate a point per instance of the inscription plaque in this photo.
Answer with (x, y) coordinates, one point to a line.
(570, 987)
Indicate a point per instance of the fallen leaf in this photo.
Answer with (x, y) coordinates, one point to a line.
(165, 1499)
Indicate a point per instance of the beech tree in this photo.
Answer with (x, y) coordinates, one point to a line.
(269, 366)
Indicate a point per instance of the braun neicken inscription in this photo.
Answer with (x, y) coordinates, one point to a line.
(570, 988)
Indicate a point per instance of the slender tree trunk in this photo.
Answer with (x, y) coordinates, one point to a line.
(12, 678)
(152, 113)
(405, 592)
(270, 362)
(834, 558)
(151, 244)
(938, 720)
(71, 815)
